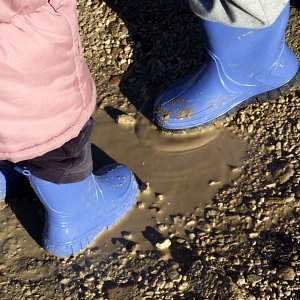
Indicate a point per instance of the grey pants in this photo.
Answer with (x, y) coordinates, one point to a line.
(239, 13)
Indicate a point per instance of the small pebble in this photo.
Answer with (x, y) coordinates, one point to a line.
(126, 120)
(164, 245)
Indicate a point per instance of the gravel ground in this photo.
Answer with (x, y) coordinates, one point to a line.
(245, 244)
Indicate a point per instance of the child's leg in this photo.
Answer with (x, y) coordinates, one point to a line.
(70, 163)
(243, 66)
(240, 13)
(79, 204)
(47, 94)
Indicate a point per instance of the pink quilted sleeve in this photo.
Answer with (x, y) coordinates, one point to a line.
(11, 8)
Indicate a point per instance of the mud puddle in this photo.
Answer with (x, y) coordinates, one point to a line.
(21, 257)
(179, 175)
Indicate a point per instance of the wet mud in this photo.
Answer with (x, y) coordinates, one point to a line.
(178, 174)
(21, 257)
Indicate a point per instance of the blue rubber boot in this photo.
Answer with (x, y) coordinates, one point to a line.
(11, 182)
(77, 212)
(243, 66)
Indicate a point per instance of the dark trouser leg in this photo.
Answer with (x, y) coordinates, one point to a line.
(70, 163)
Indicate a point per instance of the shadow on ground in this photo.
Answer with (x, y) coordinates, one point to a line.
(167, 45)
(295, 3)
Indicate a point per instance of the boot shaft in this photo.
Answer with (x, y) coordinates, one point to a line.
(250, 51)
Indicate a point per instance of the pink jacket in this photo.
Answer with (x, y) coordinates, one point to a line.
(47, 93)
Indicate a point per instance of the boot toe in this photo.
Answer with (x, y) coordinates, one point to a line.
(114, 180)
(119, 189)
(193, 102)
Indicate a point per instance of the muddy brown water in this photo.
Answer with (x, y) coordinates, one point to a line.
(183, 171)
